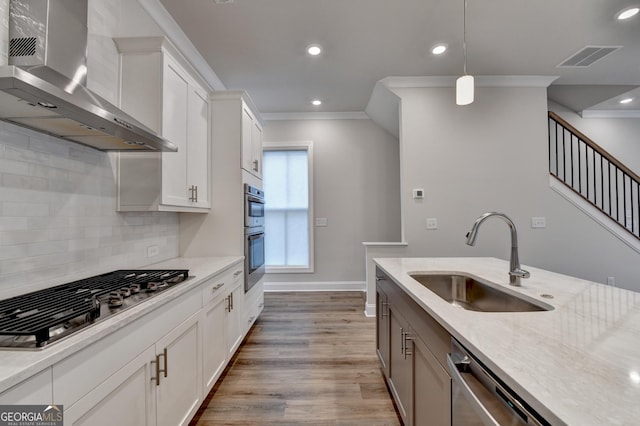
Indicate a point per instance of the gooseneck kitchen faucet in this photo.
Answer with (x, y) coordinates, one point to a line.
(515, 272)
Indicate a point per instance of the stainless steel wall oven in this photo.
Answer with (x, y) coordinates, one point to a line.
(253, 236)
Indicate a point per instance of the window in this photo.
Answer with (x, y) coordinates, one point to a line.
(287, 178)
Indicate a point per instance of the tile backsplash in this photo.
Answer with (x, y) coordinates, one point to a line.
(58, 219)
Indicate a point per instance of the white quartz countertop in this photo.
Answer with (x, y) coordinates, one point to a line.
(578, 364)
(18, 365)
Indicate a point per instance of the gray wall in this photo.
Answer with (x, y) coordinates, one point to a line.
(356, 187)
(492, 156)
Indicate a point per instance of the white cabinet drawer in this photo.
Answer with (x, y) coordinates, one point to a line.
(220, 285)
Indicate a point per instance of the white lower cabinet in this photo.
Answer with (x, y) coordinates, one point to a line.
(214, 357)
(235, 320)
(161, 386)
(253, 305)
(177, 376)
(220, 324)
(124, 399)
(155, 370)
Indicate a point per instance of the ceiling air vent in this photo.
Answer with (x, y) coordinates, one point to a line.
(588, 56)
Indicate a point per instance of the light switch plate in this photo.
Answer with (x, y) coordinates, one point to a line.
(432, 223)
(322, 221)
(418, 194)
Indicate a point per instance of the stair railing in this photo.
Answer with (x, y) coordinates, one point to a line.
(594, 174)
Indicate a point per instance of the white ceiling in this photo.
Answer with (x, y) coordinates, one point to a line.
(259, 46)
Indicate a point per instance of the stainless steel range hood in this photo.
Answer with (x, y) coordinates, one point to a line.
(43, 88)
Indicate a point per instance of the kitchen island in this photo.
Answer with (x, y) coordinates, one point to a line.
(576, 364)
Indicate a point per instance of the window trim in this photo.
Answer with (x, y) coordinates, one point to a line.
(298, 146)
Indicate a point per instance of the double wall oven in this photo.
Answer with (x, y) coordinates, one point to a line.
(253, 236)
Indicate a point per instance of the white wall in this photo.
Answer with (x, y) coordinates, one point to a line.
(492, 156)
(356, 187)
(57, 215)
(108, 19)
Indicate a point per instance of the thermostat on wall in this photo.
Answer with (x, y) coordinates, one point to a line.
(418, 193)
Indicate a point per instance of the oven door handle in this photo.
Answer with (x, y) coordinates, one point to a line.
(256, 236)
(255, 199)
(484, 414)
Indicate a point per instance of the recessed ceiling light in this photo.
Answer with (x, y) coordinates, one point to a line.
(439, 49)
(316, 102)
(314, 49)
(626, 101)
(628, 13)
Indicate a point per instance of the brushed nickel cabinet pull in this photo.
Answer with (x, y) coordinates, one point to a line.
(385, 310)
(217, 287)
(238, 272)
(161, 370)
(194, 194)
(406, 337)
(157, 368)
(231, 308)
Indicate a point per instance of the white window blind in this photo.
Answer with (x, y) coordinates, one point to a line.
(287, 213)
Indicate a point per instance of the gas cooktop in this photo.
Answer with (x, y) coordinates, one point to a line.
(38, 319)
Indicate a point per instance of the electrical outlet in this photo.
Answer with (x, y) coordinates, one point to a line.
(152, 251)
(432, 223)
(418, 194)
(611, 281)
(538, 222)
(322, 221)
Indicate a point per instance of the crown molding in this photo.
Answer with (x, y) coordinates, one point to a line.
(602, 113)
(480, 81)
(282, 116)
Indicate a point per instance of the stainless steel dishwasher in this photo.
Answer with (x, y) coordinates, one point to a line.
(480, 398)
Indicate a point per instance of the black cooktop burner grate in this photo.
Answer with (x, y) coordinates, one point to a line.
(37, 313)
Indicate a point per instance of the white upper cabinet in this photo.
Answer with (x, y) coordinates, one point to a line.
(160, 89)
(251, 142)
(237, 122)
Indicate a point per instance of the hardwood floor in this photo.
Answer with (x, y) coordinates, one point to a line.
(309, 360)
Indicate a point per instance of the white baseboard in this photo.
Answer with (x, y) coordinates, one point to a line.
(315, 286)
(370, 310)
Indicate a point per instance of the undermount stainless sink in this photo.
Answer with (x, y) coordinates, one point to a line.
(467, 293)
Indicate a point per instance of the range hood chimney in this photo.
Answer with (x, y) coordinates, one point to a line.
(43, 87)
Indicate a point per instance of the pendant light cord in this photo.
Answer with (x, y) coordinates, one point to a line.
(464, 37)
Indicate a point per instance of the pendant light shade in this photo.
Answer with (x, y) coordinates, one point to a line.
(464, 90)
(464, 84)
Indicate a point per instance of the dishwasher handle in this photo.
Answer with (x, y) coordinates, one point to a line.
(484, 414)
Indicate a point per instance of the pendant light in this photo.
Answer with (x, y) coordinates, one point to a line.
(464, 84)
